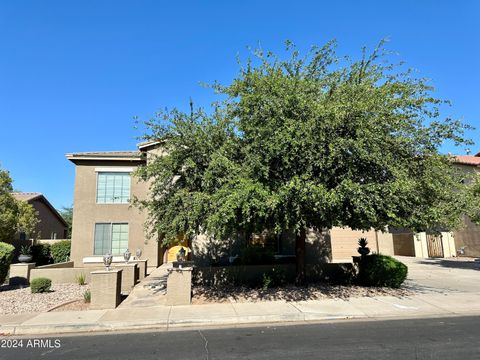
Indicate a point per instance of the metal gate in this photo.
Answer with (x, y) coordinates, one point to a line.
(434, 245)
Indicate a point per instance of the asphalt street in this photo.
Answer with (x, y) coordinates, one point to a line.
(440, 338)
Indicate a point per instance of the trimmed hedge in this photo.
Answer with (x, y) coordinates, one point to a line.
(41, 254)
(6, 257)
(381, 270)
(255, 255)
(60, 251)
(40, 285)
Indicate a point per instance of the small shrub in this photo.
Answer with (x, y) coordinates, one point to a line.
(87, 296)
(60, 251)
(6, 257)
(81, 279)
(40, 285)
(267, 281)
(25, 250)
(41, 254)
(381, 270)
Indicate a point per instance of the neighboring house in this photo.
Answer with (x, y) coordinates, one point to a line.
(51, 225)
(105, 221)
(467, 240)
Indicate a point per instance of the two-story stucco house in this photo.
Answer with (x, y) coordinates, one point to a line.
(105, 221)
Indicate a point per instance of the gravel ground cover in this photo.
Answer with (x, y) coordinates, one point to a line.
(16, 300)
(206, 295)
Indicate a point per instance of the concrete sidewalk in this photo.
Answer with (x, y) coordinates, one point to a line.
(234, 314)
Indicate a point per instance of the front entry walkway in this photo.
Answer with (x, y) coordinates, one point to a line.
(151, 291)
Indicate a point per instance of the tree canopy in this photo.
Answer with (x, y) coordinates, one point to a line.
(310, 141)
(15, 216)
(67, 215)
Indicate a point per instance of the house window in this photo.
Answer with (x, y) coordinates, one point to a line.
(110, 238)
(53, 236)
(23, 236)
(113, 188)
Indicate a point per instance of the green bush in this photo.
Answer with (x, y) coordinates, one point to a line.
(256, 255)
(81, 279)
(40, 285)
(6, 257)
(60, 251)
(41, 254)
(381, 270)
(87, 296)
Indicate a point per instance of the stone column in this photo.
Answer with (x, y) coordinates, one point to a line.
(105, 287)
(142, 268)
(179, 286)
(420, 243)
(448, 245)
(20, 273)
(129, 276)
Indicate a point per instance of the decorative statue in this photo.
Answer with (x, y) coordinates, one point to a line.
(181, 255)
(107, 260)
(126, 255)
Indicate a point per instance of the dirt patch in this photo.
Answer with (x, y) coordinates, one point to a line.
(207, 295)
(78, 305)
(18, 300)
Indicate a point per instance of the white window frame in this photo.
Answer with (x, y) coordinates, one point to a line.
(124, 171)
(111, 233)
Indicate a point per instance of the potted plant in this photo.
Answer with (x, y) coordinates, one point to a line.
(25, 254)
(363, 250)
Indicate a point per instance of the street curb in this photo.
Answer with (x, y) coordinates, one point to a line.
(20, 330)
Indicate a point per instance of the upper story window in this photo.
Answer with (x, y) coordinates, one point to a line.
(113, 188)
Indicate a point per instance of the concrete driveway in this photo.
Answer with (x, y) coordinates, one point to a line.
(442, 276)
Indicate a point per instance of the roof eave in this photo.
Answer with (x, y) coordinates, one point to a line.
(75, 157)
(148, 144)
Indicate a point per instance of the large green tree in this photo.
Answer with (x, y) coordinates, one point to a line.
(313, 141)
(67, 215)
(15, 216)
(8, 208)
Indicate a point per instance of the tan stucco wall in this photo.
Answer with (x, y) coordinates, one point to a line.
(87, 212)
(337, 245)
(345, 242)
(468, 237)
(49, 222)
(404, 244)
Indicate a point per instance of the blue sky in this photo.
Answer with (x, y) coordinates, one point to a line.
(74, 73)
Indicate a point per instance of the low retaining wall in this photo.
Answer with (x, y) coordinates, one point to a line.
(66, 264)
(253, 275)
(61, 275)
(50, 241)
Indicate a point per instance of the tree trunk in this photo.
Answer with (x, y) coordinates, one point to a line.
(300, 278)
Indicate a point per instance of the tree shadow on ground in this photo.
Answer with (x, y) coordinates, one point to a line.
(453, 264)
(418, 289)
(7, 287)
(290, 293)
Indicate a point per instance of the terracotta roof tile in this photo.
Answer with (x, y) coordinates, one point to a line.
(468, 160)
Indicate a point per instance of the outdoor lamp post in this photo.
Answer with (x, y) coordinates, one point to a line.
(138, 253)
(126, 255)
(107, 260)
(181, 255)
